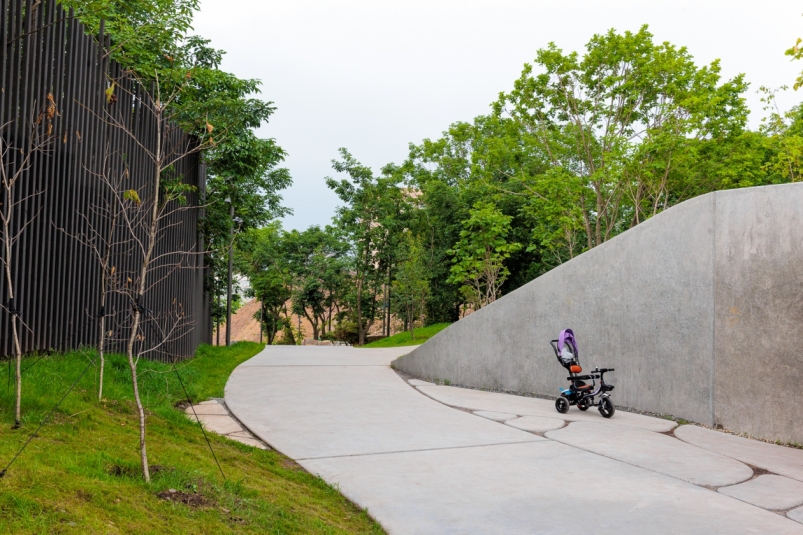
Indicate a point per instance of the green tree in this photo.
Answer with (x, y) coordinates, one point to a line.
(330, 263)
(411, 286)
(261, 259)
(783, 136)
(146, 34)
(621, 119)
(364, 221)
(306, 255)
(480, 254)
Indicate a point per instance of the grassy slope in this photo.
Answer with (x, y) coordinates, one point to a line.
(403, 339)
(62, 482)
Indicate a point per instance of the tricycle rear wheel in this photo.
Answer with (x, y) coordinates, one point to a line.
(562, 405)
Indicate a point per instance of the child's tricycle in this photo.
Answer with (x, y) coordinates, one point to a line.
(579, 392)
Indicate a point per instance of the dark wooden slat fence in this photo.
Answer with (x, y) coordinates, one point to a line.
(48, 58)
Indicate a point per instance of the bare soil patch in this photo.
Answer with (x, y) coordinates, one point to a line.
(191, 499)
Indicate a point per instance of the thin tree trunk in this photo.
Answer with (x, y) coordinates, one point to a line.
(412, 321)
(143, 274)
(101, 342)
(14, 333)
(597, 224)
(9, 284)
(360, 330)
(384, 310)
(388, 309)
(218, 320)
(133, 366)
(313, 321)
(587, 223)
(17, 373)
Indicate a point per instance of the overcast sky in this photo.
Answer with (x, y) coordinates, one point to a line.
(373, 76)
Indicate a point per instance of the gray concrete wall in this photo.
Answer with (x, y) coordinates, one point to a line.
(759, 312)
(699, 309)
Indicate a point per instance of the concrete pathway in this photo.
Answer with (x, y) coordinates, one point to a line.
(434, 459)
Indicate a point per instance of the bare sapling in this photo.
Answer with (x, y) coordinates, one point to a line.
(15, 162)
(146, 214)
(98, 234)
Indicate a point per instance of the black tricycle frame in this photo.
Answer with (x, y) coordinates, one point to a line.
(584, 398)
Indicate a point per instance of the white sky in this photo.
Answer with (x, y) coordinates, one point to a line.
(375, 76)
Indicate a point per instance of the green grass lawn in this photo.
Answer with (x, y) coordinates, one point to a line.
(81, 473)
(404, 339)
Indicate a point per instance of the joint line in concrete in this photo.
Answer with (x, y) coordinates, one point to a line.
(423, 449)
(712, 489)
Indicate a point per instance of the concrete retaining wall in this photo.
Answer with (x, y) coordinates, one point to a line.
(699, 309)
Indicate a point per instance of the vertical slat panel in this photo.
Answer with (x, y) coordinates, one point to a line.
(23, 190)
(62, 158)
(37, 179)
(7, 32)
(76, 73)
(54, 56)
(83, 262)
(57, 279)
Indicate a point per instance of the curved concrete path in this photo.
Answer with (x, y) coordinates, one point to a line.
(419, 459)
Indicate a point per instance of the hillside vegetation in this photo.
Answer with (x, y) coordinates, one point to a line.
(405, 338)
(81, 474)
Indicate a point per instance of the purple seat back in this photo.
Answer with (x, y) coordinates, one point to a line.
(567, 337)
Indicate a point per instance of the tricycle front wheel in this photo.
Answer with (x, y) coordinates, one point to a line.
(606, 408)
